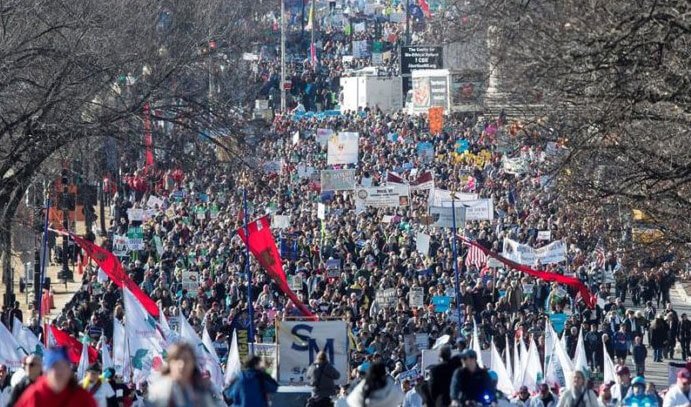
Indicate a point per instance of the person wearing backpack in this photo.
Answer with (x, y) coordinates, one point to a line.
(321, 376)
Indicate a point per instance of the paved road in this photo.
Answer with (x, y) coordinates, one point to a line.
(657, 372)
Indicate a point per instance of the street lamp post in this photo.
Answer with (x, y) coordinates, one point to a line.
(65, 271)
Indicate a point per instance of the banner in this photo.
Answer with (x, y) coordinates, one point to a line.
(300, 341)
(442, 197)
(135, 238)
(343, 149)
(424, 181)
(436, 119)
(442, 217)
(516, 166)
(383, 197)
(74, 347)
(481, 209)
(112, 267)
(337, 180)
(263, 247)
(589, 299)
(554, 252)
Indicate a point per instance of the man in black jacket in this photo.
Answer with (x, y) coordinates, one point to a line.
(33, 368)
(470, 383)
(440, 378)
(685, 336)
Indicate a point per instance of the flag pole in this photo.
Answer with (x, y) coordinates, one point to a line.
(44, 247)
(250, 307)
(455, 259)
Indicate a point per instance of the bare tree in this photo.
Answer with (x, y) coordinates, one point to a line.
(60, 65)
(611, 78)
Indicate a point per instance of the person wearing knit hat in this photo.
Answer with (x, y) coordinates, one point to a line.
(99, 388)
(57, 387)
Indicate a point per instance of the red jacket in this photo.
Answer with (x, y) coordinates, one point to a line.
(39, 394)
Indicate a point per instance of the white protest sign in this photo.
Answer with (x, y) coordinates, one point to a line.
(444, 217)
(154, 201)
(422, 243)
(135, 214)
(389, 196)
(190, 282)
(268, 352)
(554, 252)
(120, 245)
(442, 197)
(300, 341)
(337, 180)
(416, 297)
(321, 211)
(481, 209)
(280, 221)
(544, 235)
(343, 148)
(386, 297)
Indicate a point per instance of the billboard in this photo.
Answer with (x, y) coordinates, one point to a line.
(420, 57)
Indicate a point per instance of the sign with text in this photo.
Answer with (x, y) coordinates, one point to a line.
(383, 197)
(338, 180)
(300, 341)
(343, 148)
(421, 57)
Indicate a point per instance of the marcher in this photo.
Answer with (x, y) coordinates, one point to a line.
(33, 369)
(180, 384)
(639, 353)
(377, 390)
(252, 387)
(545, 398)
(679, 394)
(98, 388)
(440, 377)
(470, 383)
(58, 387)
(5, 388)
(622, 389)
(321, 376)
(638, 397)
(578, 395)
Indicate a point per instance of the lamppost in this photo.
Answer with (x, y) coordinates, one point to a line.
(65, 273)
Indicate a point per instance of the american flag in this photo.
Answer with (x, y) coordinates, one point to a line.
(475, 257)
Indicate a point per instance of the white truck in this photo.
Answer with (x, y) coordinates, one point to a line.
(454, 91)
(370, 91)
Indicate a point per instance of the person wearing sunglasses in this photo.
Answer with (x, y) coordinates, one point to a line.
(32, 370)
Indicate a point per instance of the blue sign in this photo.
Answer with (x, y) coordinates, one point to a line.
(441, 303)
(462, 145)
(425, 151)
(558, 321)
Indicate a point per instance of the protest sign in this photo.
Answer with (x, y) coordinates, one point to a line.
(280, 221)
(441, 303)
(386, 297)
(300, 341)
(338, 180)
(295, 283)
(120, 245)
(359, 49)
(554, 252)
(516, 166)
(321, 211)
(390, 196)
(436, 119)
(343, 148)
(422, 243)
(135, 238)
(480, 209)
(442, 217)
(305, 171)
(422, 341)
(425, 151)
(416, 297)
(333, 268)
(272, 167)
(442, 197)
(135, 214)
(269, 353)
(544, 235)
(154, 202)
(190, 282)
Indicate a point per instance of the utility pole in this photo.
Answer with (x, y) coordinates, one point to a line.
(283, 55)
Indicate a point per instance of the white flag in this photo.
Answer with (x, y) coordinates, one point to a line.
(296, 137)
(170, 335)
(476, 345)
(120, 359)
(561, 367)
(204, 358)
(517, 379)
(580, 359)
(145, 342)
(10, 350)
(608, 371)
(106, 360)
(27, 340)
(215, 364)
(503, 378)
(549, 345)
(507, 362)
(234, 366)
(533, 369)
(83, 361)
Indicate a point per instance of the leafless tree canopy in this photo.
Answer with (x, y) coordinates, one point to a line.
(613, 79)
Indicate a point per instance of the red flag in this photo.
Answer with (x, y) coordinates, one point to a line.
(424, 6)
(589, 299)
(263, 247)
(113, 268)
(74, 347)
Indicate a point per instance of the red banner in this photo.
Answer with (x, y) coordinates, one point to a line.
(112, 267)
(263, 247)
(73, 346)
(589, 299)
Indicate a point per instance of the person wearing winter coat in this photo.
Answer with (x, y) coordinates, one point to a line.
(545, 398)
(377, 390)
(658, 338)
(578, 395)
(321, 376)
(680, 393)
(252, 386)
